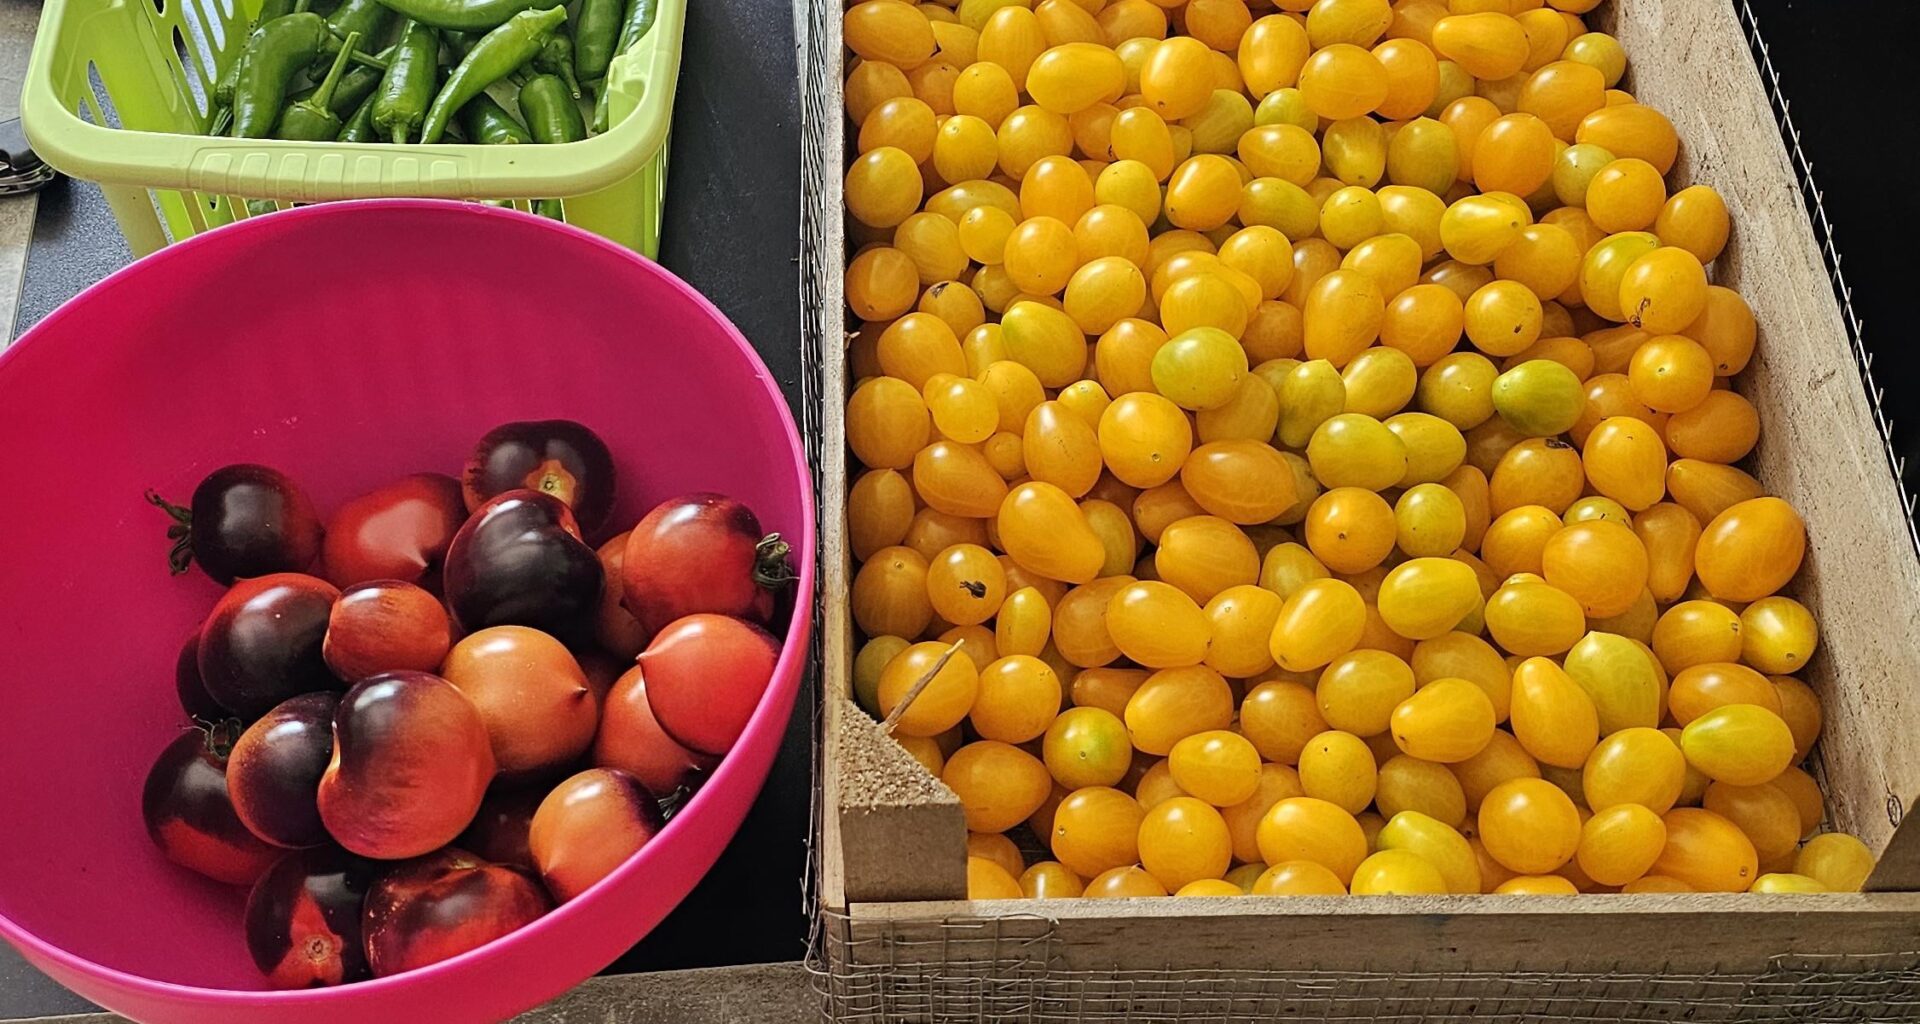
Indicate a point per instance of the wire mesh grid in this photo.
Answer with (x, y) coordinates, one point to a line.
(1009, 968)
(1812, 197)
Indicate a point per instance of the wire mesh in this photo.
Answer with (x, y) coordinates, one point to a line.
(1811, 196)
(1010, 968)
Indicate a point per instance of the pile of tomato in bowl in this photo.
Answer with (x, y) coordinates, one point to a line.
(440, 690)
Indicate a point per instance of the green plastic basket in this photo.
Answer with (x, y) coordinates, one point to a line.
(117, 93)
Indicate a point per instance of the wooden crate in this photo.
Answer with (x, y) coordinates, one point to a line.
(897, 940)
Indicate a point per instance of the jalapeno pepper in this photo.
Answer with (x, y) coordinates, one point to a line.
(553, 116)
(359, 127)
(593, 38)
(638, 23)
(405, 93)
(494, 57)
(313, 119)
(271, 9)
(487, 123)
(556, 58)
(465, 15)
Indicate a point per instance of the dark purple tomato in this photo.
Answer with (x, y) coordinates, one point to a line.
(519, 561)
(702, 553)
(190, 815)
(194, 698)
(262, 642)
(499, 830)
(303, 918)
(244, 521)
(424, 911)
(396, 532)
(274, 771)
(556, 457)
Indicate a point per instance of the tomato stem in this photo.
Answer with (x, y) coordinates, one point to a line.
(220, 736)
(771, 567)
(180, 556)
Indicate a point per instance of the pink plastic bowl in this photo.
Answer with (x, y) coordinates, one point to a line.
(348, 344)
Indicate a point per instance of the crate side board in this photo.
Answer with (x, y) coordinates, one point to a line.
(1691, 932)
(1820, 445)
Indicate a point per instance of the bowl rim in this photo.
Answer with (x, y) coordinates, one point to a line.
(795, 649)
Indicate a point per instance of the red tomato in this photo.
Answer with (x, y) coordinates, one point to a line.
(702, 553)
(705, 674)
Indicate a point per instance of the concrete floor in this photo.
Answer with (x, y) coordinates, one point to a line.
(18, 18)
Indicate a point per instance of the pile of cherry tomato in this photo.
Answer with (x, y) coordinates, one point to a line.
(421, 723)
(1311, 424)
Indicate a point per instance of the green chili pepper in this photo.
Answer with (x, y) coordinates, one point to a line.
(556, 58)
(355, 86)
(359, 128)
(370, 18)
(465, 15)
(639, 22)
(553, 116)
(458, 45)
(313, 119)
(486, 123)
(223, 86)
(550, 112)
(593, 38)
(494, 57)
(275, 52)
(408, 88)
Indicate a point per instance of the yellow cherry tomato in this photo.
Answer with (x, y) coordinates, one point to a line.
(1184, 840)
(1707, 852)
(943, 702)
(1447, 720)
(1245, 482)
(1095, 829)
(1751, 549)
(1176, 703)
(1315, 831)
(1423, 598)
(1144, 439)
(1529, 826)
(1396, 871)
(1742, 744)
(1242, 619)
(1350, 529)
(1435, 843)
(1837, 860)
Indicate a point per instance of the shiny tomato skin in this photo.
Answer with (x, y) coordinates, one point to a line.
(701, 552)
(705, 674)
(399, 531)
